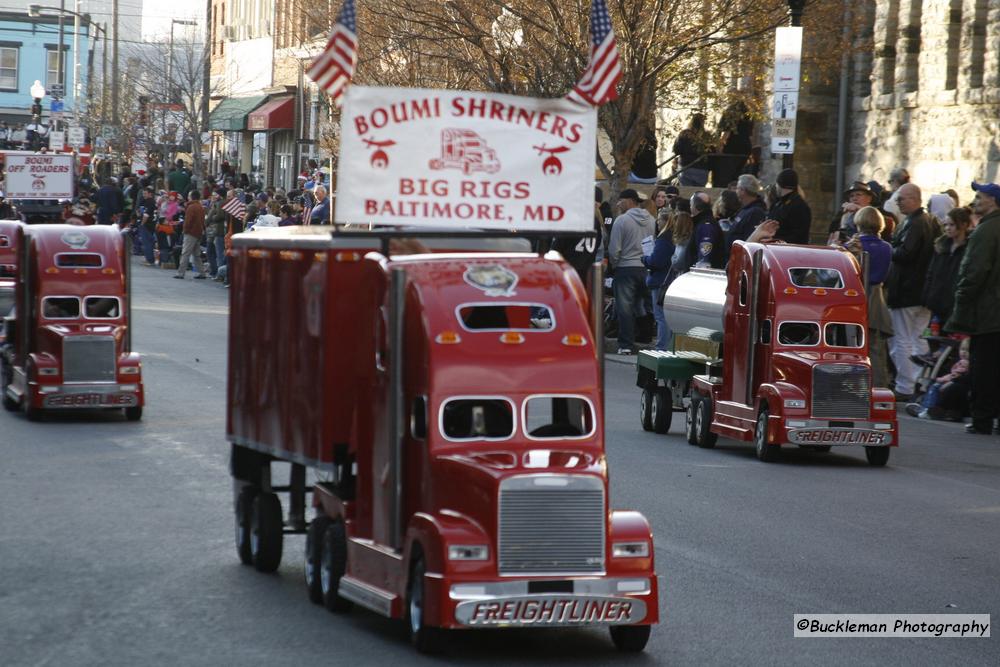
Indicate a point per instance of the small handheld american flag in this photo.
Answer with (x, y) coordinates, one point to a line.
(598, 84)
(235, 208)
(332, 70)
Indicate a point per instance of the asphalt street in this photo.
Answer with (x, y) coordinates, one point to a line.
(116, 543)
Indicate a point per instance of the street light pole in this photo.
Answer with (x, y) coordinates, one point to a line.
(59, 60)
(795, 9)
(76, 62)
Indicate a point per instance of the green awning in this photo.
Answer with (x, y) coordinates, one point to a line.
(231, 114)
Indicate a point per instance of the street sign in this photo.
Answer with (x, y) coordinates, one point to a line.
(787, 59)
(56, 90)
(783, 128)
(57, 139)
(782, 145)
(76, 136)
(56, 106)
(109, 132)
(785, 105)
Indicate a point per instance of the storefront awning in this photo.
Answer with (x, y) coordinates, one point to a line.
(231, 114)
(277, 114)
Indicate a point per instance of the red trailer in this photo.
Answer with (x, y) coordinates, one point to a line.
(69, 338)
(449, 405)
(794, 365)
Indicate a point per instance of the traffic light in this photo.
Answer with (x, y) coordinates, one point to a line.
(36, 109)
(144, 110)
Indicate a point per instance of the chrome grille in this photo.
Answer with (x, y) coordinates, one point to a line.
(841, 391)
(89, 359)
(551, 524)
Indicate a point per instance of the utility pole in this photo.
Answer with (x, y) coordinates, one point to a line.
(114, 65)
(206, 76)
(60, 57)
(104, 73)
(76, 62)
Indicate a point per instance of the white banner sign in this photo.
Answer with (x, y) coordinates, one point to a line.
(76, 136)
(57, 140)
(465, 159)
(787, 59)
(37, 176)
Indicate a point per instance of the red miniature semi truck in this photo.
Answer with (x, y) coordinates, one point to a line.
(773, 351)
(68, 339)
(449, 405)
(9, 231)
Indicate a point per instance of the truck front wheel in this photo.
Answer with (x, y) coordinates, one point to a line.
(426, 639)
(314, 558)
(877, 456)
(630, 638)
(692, 411)
(765, 452)
(134, 413)
(333, 564)
(266, 532)
(703, 425)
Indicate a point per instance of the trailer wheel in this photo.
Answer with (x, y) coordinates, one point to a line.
(266, 529)
(134, 413)
(426, 639)
(692, 434)
(877, 456)
(703, 425)
(314, 558)
(244, 505)
(765, 452)
(662, 412)
(333, 564)
(646, 410)
(630, 638)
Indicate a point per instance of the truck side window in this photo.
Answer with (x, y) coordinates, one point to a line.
(743, 288)
(558, 417)
(809, 277)
(798, 333)
(60, 307)
(101, 307)
(845, 335)
(477, 418)
(70, 260)
(765, 332)
(505, 317)
(418, 417)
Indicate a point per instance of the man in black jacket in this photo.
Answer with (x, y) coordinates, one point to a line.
(752, 213)
(791, 211)
(912, 247)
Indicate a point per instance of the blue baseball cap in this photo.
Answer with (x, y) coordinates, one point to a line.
(989, 189)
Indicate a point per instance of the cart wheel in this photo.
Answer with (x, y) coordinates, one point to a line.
(134, 413)
(630, 638)
(703, 425)
(877, 456)
(692, 435)
(662, 412)
(646, 410)
(765, 452)
(266, 532)
(425, 639)
(244, 505)
(314, 557)
(333, 564)
(9, 404)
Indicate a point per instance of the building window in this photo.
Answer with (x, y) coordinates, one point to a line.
(886, 51)
(8, 68)
(977, 44)
(52, 68)
(954, 44)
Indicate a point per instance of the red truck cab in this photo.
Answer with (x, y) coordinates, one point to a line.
(9, 231)
(795, 365)
(69, 338)
(451, 404)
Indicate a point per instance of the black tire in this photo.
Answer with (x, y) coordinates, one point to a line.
(692, 435)
(313, 558)
(877, 456)
(630, 638)
(662, 412)
(266, 532)
(9, 404)
(134, 413)
(646, 410)
(703, 425)
(426, 639)
(765, 452)
(333, 564)
(244, 506)
(31, 412)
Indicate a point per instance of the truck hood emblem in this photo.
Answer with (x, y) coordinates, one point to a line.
(74, 239)
(493, 279)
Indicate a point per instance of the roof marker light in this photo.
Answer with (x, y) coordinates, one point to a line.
(290, 254)
(511, 338)
(819, 291)
(52, 269)
(574, 340)
(448, 338)
(851, 292)
(791, 290)
(108, 272)
(345, 256)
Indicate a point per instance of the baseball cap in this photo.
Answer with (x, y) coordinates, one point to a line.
(989, 189)
(860, 186)
(629, 193)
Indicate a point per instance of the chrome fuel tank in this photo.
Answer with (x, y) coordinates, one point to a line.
(696, 299)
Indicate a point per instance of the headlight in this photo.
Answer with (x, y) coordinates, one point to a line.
(884, 405)
(468, 552)
(630, 550)
(129, 370)
(795, 403)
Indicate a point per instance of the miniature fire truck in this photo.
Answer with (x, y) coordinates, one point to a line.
(449, 405)
(781, 343)
(68, 340)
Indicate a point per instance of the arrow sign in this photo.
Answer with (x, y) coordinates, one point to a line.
(782, 146)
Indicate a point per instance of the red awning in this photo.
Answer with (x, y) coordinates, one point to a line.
(277, 114)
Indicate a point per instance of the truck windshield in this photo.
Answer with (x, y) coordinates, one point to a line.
(477, 418)
(839, 334)
(101, 307)
(61, 307)
(558, 417)
(812, 277)
(798, 333)
(505, 317)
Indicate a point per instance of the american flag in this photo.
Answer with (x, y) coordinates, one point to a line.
(333, 69)
(598, 84)
(306, 214)
(235, 208)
